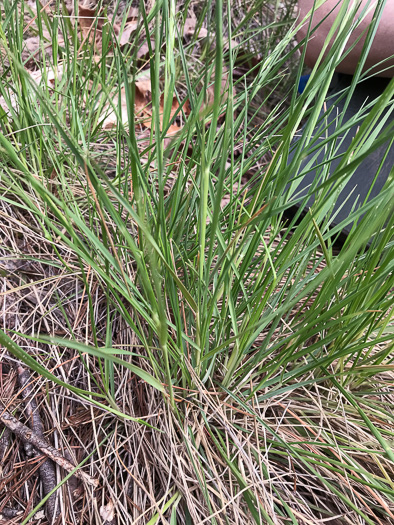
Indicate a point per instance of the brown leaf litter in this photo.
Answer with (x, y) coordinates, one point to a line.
(91, 23)
(143, 107)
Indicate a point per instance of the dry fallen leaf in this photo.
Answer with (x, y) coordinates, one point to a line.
(88, 26)
(34, 53)
(173, 128)
(143, 85)
(12, 101)
(91, 26)
(124, 37)
(211, 92)
(133, 14)
(190, 28)
(141, 99)
(142, 107)
(144, 49)
(51, 74)
(111, 120)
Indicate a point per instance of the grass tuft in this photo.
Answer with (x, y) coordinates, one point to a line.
(210, 360)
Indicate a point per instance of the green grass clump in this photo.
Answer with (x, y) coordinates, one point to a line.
(228, 365)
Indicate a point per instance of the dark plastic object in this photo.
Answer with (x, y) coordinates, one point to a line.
(360, 183)
(302, 83)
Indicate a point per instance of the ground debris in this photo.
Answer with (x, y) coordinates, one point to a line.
(47, 469)
(42, 445)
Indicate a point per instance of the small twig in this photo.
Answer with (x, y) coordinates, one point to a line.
(4, 442)
(47, 469)
(42, 445)
(33, 418)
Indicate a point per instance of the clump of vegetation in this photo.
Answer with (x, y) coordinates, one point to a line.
(199, 356)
